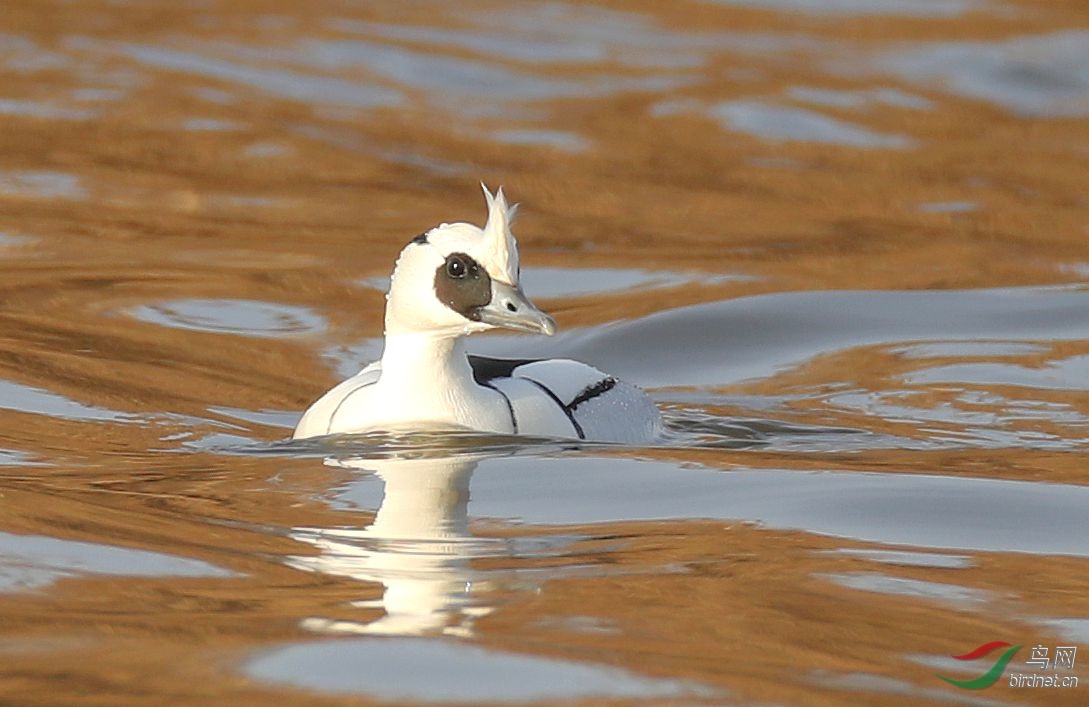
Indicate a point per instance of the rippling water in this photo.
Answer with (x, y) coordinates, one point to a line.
(844, 245)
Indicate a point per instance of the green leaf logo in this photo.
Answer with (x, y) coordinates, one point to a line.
(991, 676)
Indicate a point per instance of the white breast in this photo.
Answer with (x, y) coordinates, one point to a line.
(367, 402)
(321, 418)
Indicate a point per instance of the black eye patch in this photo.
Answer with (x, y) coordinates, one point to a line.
(462, 285)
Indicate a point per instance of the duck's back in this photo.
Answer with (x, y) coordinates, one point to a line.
(565, 398)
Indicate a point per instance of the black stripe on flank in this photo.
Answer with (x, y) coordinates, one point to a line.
(592, 391)
(510, 405)
(564, 408)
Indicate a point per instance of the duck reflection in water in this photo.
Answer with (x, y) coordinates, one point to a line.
(418, 547)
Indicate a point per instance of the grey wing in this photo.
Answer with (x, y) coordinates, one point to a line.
(319, 419)
(597, 406)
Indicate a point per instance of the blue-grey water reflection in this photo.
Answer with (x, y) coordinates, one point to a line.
(444, 671)
(923, 511)
(33, 561)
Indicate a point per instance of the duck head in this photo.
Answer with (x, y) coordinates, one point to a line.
(459, 279)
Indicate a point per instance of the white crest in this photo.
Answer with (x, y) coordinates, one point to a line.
(501, 243)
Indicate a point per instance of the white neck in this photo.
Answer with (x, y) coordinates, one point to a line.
(427, 377)
(411, 356)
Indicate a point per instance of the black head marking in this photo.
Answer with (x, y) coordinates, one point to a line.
(462, 285)
(421, 239)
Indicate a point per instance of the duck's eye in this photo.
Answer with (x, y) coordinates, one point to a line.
(462, 285)
(456, 267)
